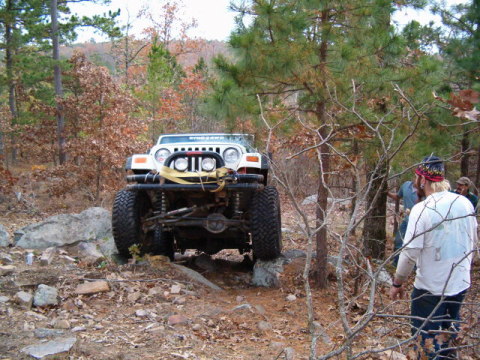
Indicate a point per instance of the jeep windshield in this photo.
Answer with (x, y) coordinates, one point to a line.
(242, 139)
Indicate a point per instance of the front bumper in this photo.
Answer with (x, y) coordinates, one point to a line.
(196, 187)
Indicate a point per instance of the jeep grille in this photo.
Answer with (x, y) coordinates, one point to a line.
(198, 148)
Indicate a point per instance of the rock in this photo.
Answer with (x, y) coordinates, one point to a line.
(205, 262)
(4, 237)
(78, 328)
(41, 350)
(177, 319)
(242, 307)
(289, 353)
(277, 345)
(319, 329)
(47, 256)
(286, 230)
(61, 324)
(264, 326)
(192, 274)
(28, 326)
(384, 278)
(180, 300)
(291, 297)
(133, 297)
(294, 254)
(42, 333)
(36, 315)
(260, 309)
(175, 289)
(6, 259)
(92, 287)
(196, 327)
(89, 253)
(266, 273)
(45, 295)
(107, 246)
(312, 199)
(240, 298)
(69, 305)
(154, 291)
(7, 270)
(141, 313)
(65, 229)
(4, 299)
(24, 299)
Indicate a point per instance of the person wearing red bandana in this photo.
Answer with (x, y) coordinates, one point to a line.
(440, 240)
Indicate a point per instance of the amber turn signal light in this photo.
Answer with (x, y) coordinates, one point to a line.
(140, 160)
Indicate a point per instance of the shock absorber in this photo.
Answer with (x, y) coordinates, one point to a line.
(236, 206)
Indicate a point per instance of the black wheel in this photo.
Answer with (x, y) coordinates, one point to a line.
(163, 243)
(129, 210)
(265, 224)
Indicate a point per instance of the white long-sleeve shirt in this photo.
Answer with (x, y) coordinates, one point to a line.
(443, 231)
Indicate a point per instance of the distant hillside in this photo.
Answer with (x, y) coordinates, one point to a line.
(100, 53)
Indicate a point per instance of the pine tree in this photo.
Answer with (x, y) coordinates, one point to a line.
(294, 55)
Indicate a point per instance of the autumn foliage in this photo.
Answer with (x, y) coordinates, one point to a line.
(100, 127)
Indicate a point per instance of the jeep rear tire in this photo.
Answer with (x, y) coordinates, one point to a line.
(265, 224)
(163, 243)
(129, 210)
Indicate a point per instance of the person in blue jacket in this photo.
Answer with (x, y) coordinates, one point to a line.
(408, 193)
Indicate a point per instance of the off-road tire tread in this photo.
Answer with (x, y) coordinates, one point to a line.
(265, 224)
(125, 221)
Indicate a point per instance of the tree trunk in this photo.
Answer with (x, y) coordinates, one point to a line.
(324, 167)
(98, 179)
(320, 272)
(355, 151)
(11, 83)
(374, 230)
(57, 76)
(465, 153)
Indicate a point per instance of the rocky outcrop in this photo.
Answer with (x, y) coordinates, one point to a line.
(59, 230)
(4, 238)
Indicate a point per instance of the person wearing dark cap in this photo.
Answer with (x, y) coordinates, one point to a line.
(440, 239)
(463, 188)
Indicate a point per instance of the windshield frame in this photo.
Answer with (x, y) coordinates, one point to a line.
(246, 140)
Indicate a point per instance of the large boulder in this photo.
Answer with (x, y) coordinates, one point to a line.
(65, 229)
(4, 238)
(267, 273)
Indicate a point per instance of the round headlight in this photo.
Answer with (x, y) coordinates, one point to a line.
(231, 155)
(181, 164)
(208, 164)
(162, 154)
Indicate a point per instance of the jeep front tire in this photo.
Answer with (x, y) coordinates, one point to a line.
(129, 210)
(265, 224)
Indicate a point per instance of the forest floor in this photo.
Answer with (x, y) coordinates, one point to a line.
(152, 311)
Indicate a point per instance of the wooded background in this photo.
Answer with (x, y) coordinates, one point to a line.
(346, 101)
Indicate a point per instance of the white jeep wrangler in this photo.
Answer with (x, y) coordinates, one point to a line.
(206, 192)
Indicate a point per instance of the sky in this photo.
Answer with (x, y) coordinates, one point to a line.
(215, 20)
